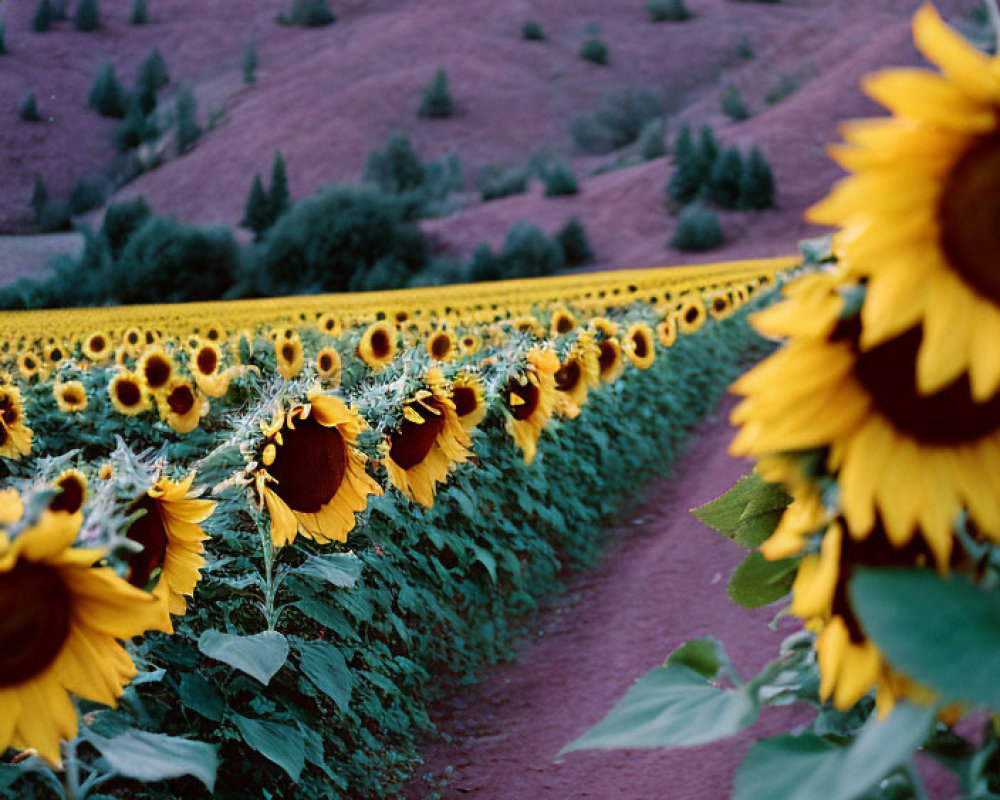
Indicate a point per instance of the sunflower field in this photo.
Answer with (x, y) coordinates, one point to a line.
(243, 544)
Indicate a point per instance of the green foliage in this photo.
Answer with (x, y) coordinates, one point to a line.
(3, 38)
(694, 161)
(139, 14)
(528, 252)
(572, 238)
(310, 14)
(531, 31)
(257, 211)
(594, 50)
(136, 128)
(560, 180)
(436, 102)
(496, 183)
(698, 230)
(786, 86)
(250, 62)
(396, 169)
(59, 12)
(758, 582)
(618, 121)
(260, 656)
(121, 221)
(42, 19)
(732, 103)
(725, 179)
(29, 108)
(652, 140)
(757, 184)
(107, 96)
(153, 72)
(86, 195)
(87, 17)
(485, 265)
(39, 196)
(279, 196)
(188, 130)
(748, 513)
(746, 49)
(667, 11)
(151, 757)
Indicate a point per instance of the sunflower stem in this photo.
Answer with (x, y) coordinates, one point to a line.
(270, 590)
(72, 764)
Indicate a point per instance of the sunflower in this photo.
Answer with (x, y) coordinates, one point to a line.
(181, 406)
(204, 364)
(290, 356)
(62, 622)
(691, 314)
(97, 346)
(639, 345)
(610, 360)
(918, 217)
(377, 347)
(157, 369)
(128, 394)
(70, 396)
(666, 330)
(470, 343)
(54, 353)
(720, 305)
(15, 436)
(468, 396)
(311, 475)
(909, 460)
(441, 346)
(133, 341)
(214, 333)
(330, 324)
(528, 324)
(72, 491)
(29, 365)
(562, 322)
(576, 375)
(530, 400)
(429, 441)
(605, 326)
(328, 366)
(171, 543)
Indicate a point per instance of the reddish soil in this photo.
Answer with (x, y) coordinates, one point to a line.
(663, 582)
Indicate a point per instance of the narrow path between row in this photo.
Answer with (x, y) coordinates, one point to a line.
(663, 581)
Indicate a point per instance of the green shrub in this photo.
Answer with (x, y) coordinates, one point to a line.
(188, 130)
(732, 103)
(121, 221)
(560, 181)
(397, 168)
(257, 211)
(667, 11)
(485, 265)
(617, 122)
(532, 31)
(107, 96)
(39, 196)
(310, 14)
(279, 196)
(496, 183)
(436, 102)
(725, 179)
(746, 49)
(757, 186)
(250, 62)
(29, 108)
(787, 85)
(42, 19)
(323, 240)
(3, 38)
(572, 238)
(136, 128)
(87, 17)
(652, 140)
(698, 229)
(140, 14)
(529, 253)
(86, 195)
(153, 71)
(594, 50)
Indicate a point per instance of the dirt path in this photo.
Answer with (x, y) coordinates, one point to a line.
(662, 582)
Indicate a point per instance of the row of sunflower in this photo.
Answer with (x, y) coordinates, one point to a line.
(293, 432)
(876, 496)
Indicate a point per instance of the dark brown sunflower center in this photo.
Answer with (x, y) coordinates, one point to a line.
(288, 352)
(309, 465)
(128, 393)
(213, 334)
(568, 376)
(888, 374)
(156, 371)
(440, 346)
(73, 396)
(181, 399)
(35, 613)
(691, 315)
(150, 534)
(29, 363)
(207, 361)
(410, 445)
(564, 324)
(11, 414)
(3, 435)
(97, 343)
(133, 338)
(330, 324)
(70, 497)
(719, 304)
(608, 355)
(380, 344)
(55, 355)
(529, 396)
(464, 398)
(639, 344)
(326, 362)
(970, 218)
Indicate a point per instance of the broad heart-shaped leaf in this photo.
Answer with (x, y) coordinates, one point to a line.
(808, 767)
(704, 656)
(149, 757)
(282, 744)
(259, 656)
(339, 569)
(758, 582)
(748, 513)
(673, 706)
(943, 632)
(324, 665)
(201, 695)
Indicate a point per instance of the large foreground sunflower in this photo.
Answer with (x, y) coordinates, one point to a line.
(311, 476)
(428, 443)
(61, 619)
(530, 400)
(919, 216)
(15, 435)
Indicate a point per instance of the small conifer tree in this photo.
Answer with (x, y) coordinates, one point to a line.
(572, 238)
(87, 17)
(140, 14)
(594, 50)
(757, 185)
(250, 62)
(436, 102)
(279, 196)
(531, 31)
(29, 108)
(733, 105)
(3, 38)
(188, 130)
(725, 179)
(257, 212)
(39, 197)
(42, 19)
(107, 95)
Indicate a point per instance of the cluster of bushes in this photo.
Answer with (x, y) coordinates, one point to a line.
(264, 206)
(620, 120)
(667, 11)
(308, 14)
(52, 215)
(86, 16)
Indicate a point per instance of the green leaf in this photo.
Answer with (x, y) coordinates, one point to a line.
(704, 656)
(754, 531)
(339, 569)
(758, 582)
(325, 666)
(807, 767)
(485, 557)
(282, 744)
(943, 632)
(200, 695)
(748, 513)
(259, 656)
(674, 706)
(149, 757)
